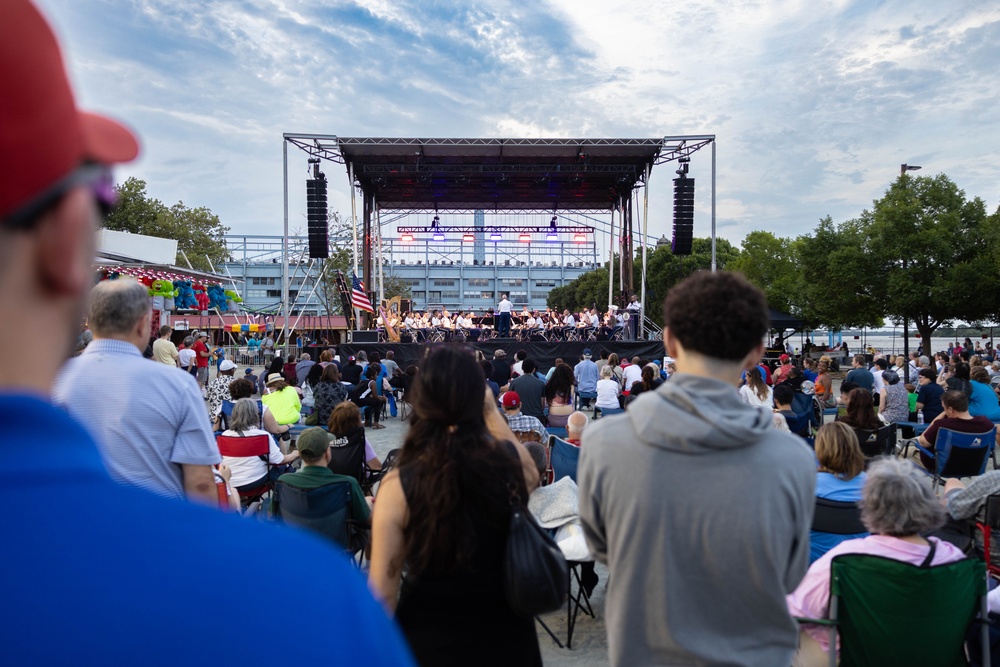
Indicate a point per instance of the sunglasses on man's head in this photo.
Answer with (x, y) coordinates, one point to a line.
(96, 177)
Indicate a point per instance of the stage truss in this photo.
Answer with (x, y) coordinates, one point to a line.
(404, 176)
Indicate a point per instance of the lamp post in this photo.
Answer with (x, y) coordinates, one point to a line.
(903, 168)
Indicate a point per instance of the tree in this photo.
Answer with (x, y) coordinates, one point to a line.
(341, 258)
(769, 263)
(836, 288)
(936, 264)
(665, 269)
(198, 231)
(590, 290)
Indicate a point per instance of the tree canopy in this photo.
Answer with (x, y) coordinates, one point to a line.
(924, 252)
(199, 232)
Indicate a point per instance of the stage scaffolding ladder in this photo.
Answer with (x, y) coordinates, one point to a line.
(345, 299)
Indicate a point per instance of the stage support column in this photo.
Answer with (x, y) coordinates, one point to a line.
(368, 203)
(284, 253)
(645, 246)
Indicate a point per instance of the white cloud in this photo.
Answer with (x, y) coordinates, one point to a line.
(814, 103)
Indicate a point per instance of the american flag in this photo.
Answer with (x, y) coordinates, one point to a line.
(358, 297)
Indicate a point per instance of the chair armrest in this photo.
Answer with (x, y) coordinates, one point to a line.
(920, 448)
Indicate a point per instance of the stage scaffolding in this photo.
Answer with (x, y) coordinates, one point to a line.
(499, 177)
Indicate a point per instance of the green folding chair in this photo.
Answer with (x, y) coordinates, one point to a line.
(891, 613)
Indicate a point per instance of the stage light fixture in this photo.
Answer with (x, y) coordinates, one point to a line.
(468, 237)
(438, 234)
(580, 238)
(406, 238)
(495, 235)
(524, 238)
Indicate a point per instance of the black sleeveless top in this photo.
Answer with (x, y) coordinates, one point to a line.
(461, 617)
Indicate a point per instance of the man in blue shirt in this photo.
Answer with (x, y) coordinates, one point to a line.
(156, 433)
(859, 374)
(126, 576)
(587, 375)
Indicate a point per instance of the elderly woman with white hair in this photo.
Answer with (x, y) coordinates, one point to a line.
(250, 472)
(897, 506)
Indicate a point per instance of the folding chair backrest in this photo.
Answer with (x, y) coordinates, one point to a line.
(993, 512)
(962, 454)
(244, 447)
(799, 424)
(347, 454)
(803, 404)
(528, 436)
(837, 517)
(893, 613)
(565, 457)
(324, 510)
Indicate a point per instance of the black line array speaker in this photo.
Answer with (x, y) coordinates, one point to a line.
(683, 216)
(319, 247)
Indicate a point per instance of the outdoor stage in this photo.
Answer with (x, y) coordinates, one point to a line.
(543, 354)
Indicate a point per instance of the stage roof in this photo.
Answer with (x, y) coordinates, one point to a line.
(497, 175)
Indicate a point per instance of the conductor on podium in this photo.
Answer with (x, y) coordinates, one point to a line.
(504, 309)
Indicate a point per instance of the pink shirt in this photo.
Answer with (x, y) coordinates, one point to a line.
(812, 597)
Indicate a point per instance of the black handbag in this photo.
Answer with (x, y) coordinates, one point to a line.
(535, 573)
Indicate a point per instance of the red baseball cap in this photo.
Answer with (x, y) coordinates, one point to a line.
(783, 358)
(43, 136)
(511, 399)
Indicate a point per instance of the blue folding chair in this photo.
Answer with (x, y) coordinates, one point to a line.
(606, 412)
(564, 459)
(589, 395)
(958, 454)
(556, 431)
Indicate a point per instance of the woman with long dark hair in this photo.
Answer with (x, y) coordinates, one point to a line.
(444, 513)
(559, 395)
(861, 411)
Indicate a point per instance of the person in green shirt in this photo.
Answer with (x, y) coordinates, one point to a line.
(314, 450)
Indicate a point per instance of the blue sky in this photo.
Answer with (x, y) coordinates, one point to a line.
(814, 103)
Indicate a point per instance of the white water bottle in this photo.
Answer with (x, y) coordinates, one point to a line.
(920, 416)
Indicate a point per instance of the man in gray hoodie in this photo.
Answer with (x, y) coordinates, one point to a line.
(699, 507)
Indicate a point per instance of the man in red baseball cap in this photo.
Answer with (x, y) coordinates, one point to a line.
(125, 575)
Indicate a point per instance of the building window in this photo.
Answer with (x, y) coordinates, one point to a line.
(479, 282)
(263, 281)
(414, 283)
(274, 293)
(444, 283)
(449, 296)
(513, 282)
(545, 283)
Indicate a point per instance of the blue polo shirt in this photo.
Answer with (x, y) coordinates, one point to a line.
(104, 573)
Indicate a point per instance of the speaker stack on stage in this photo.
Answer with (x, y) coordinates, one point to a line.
(683, 213)
(364, 336)
(316, 215)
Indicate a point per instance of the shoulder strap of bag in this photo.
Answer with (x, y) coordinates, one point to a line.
(930, 554)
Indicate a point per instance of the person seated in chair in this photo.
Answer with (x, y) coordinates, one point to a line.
(840, 476)
(345, 418)
(250, 472)
(955, 417)
(783, 397)
(608, 389)
(314, 448)
(897, 507)
(860, 411)
(575, 424)
(520, 423)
